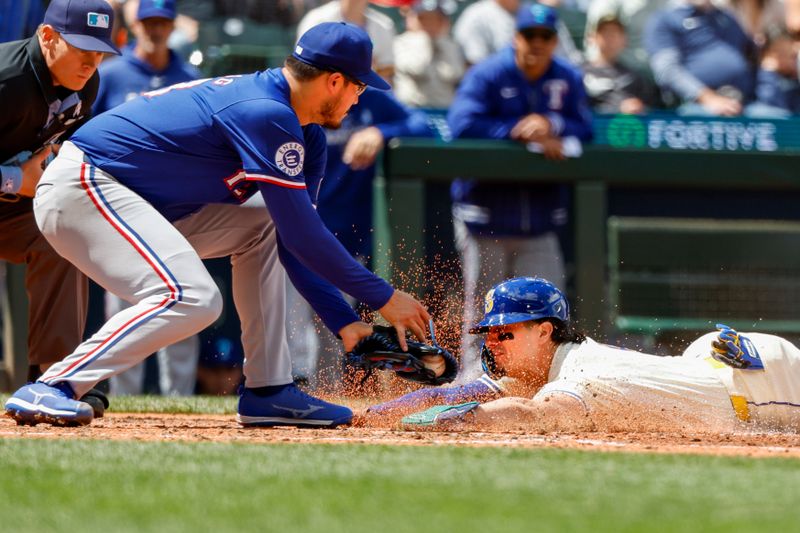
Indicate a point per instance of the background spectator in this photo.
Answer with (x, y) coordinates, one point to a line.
(777, 84)
(702, 55)
(378, 26)
(757, 17)
(344, 202)
(429, 63)
(611, 86)
(525, 94)
(147, 63)
(19, 19)
(634, 14)
(487, 26)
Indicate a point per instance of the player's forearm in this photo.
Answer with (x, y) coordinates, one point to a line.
(669, 73)
(472, 126)
(414, 125)
(554, 413)
(482, 390)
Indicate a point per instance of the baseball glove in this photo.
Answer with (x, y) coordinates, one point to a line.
(429, 364)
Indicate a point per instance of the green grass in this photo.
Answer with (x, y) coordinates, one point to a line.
(216, 405)
(52, 485)
(71, 485)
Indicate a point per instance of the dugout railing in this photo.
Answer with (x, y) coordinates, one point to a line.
(667, 274)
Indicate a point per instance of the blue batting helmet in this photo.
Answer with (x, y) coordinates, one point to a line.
(520, 300)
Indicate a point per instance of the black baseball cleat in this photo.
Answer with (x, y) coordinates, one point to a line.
(97, 400)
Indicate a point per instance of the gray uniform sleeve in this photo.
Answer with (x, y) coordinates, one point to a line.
(669, 73)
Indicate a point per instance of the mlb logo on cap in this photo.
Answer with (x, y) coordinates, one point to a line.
(537, 16)
(85, 24)
(98, 20)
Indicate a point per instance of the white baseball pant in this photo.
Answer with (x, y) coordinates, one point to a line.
(119, 240)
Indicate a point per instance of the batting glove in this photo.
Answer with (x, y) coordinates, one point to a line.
(735, 350)
(441, 415)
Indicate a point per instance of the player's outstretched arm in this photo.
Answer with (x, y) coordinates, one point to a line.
(554, 412)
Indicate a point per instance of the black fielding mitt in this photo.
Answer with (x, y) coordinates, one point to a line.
(422, 363)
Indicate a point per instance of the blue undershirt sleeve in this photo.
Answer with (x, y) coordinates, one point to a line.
(482, 390)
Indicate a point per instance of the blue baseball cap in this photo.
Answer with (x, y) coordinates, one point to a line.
(164, 9)
(340, 47)
(537, 16)
(520, 300)
(85, 24)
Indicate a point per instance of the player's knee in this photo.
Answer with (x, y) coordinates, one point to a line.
(206, 301)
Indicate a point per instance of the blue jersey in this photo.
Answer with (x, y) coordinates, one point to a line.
(205, 141)
(125, 77)
(343, 188)
(219, 141)
(19, 19)
(491, 99)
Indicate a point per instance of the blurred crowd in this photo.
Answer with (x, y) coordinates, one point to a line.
(509, 69)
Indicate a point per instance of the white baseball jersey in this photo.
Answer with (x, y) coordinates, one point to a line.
(624, 390)
(379, 27)
(628, 390)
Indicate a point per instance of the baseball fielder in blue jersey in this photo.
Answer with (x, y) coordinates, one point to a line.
(146, 190)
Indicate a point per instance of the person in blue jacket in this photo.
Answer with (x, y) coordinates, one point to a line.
(148, 63)
(525, 94)
(344, 203)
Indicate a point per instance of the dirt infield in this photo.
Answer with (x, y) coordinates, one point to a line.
(223, 428)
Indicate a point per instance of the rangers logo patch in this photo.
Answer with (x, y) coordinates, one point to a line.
(289, 158)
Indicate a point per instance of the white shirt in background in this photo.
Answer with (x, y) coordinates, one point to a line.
(380, 29)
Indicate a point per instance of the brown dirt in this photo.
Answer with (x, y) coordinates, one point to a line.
(223, 428)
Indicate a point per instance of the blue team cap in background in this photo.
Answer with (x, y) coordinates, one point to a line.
(537, 16)
(340, 47)
(164, 9)
(85, 24)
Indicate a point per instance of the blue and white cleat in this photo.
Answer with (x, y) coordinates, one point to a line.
(290, 407)
(37, 402)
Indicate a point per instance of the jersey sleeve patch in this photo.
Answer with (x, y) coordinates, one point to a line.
(289, 158)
